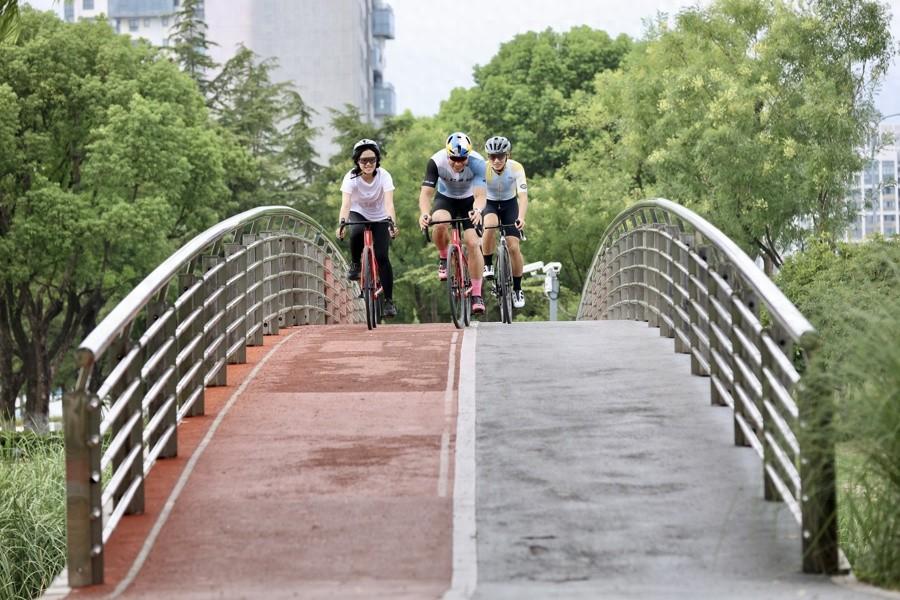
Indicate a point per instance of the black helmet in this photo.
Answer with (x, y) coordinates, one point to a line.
(497, 145)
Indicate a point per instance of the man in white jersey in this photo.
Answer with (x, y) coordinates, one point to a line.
(507, 202)
(457, 172)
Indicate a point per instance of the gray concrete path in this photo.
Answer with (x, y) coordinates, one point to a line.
(605, 472)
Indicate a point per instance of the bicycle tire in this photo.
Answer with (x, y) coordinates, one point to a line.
(466, 297)
(504, 275)
(454, 293)
(368, 288)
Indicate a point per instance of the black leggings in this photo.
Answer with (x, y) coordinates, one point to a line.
(381, 239)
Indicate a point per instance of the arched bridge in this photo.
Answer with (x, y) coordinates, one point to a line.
(235, 433)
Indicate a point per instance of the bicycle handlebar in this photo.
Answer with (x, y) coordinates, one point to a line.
(344, 224)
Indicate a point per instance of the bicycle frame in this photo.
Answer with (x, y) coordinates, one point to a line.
(502, 285)
(459, 286)
(369, 281)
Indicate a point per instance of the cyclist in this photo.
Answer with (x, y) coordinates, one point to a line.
(507, 202)
(457, 174)
(368, 195)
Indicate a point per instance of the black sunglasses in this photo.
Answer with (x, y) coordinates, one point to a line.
(496, 156)
(459, 158)
(367, 161)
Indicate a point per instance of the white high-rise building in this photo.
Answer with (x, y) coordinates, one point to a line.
(332, 50)
(874, 192)
(147, 19)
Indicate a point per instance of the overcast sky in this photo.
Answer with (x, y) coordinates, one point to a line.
(438, 42)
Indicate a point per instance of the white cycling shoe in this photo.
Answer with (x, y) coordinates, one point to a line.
(519, 299)
(488, 272)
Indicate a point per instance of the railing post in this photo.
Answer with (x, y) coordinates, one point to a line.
(84, 515)
(321, 302)
(715, 348)
(292, 317)
(156, 310)
(215, 360)
(271, 280)
(736, 321)
(254, 287)
(195, 329)
(236, 276)
(818, 495)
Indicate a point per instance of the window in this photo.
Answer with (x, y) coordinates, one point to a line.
(164, 20)
(133, 24)
(146, 21)
(887, 170)
(87, 4)
(889, 205)
(871, 173)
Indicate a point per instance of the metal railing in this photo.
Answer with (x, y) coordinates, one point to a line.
(145, 366)
(661, 263)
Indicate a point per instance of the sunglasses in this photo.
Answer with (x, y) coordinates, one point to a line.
(497, 156)
(459, 159)
(367, 161)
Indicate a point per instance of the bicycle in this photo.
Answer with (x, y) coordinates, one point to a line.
(502, 287)
(369, 283)
(459, 284)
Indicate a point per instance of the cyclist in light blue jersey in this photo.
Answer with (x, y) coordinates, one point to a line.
(456, 174)
(507, 202)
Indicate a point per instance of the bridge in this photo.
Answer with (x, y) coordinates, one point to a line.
(235, 432)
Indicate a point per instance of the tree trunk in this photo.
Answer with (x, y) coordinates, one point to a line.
(37, 386)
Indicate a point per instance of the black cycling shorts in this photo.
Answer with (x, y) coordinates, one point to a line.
(457, 207)
(507, 211)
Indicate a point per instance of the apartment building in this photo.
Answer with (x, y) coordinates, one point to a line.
(874, 191)
(332, 50)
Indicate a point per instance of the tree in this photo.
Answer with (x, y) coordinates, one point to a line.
(523, 92)
(751, 112)
(9, 21)
(273, 125)
(189, 44)
(108, 162)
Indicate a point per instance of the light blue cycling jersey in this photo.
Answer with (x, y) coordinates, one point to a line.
(451, 184)
(506, 184)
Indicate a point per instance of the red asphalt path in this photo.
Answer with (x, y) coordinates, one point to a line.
(324, 479)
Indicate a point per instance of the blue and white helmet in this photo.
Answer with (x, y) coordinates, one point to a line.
(458, 145)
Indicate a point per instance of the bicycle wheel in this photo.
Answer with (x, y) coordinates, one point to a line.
(466, 298)
(504, 280)
(368, 289)
(454, 283)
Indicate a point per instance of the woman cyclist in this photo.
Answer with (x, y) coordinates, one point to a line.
(368, 195)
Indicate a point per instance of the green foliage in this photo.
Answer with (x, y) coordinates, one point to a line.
(270, 121)
(33, 519)
(851, 294)
(189, 44)
(108, 162)
(749, 111)
(524, 92)
(9, 21)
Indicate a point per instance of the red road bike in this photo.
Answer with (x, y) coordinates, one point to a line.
(369, 283)
(459, 284)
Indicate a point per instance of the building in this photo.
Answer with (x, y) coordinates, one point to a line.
(874, 192)
(147, 19)
(332, 50)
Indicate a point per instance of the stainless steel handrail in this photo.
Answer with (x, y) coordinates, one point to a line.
(145, 366)
(660, 262)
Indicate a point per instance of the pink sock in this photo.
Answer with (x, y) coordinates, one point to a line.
(443, 253)
(476, 287)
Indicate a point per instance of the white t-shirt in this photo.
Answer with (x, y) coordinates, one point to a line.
(368, 198)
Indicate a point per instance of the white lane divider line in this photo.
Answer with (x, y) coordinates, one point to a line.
(465, 541)
(188, 469)
(444, 469)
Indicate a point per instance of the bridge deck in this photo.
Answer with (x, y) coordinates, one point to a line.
(601, 470)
